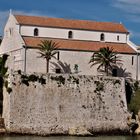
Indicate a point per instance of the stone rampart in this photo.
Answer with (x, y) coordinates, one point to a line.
(65, 104)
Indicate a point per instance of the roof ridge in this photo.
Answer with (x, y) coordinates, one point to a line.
(71, 24)
(81, 45)
(47, 17)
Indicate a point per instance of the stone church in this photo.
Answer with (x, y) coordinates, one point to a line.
(77, 41)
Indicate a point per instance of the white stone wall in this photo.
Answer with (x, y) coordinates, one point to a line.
(129, 69)
(17, 59)
(81, 58)
(33, 62)
(77, 34)
(13, 45)
(12, 39)
(36, 64)
(66, 104)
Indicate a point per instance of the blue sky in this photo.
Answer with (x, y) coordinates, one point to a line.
(124, 11)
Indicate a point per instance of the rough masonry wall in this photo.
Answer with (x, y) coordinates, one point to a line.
(66, 104)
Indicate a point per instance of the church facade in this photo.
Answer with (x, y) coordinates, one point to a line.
(77, 41)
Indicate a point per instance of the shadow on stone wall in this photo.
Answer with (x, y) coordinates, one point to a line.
(63, 66)
(122, 72)
(129, 91)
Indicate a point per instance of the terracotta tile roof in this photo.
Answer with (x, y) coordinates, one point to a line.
(71, 24)
(80, 45)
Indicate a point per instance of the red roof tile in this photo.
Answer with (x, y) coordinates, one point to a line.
(80, 45)
(71, 24)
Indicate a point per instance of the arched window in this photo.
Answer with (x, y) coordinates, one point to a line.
(35, 32)
(115, 59)
(118, 37)
(132, 60)
(70, 34)
(102, 37)
(10, 31)
(58, 55)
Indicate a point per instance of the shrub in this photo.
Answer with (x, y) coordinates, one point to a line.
(134, 105)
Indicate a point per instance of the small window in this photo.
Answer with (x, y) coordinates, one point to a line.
(70, 34)
(35, 32)
(57, 70)
(10, 31)
(114, 72)
(118, 38)
(132, 60)
(58, 55)
(102, 37)
(115, 59)
(76, 68)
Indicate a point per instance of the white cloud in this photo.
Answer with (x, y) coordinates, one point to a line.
(134, 2)
(131, 9)
(129, 6)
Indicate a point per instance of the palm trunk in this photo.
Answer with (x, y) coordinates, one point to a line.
(47, 66)
(106, 70)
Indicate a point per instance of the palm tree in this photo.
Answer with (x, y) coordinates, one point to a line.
(105, 58)
(47, 51)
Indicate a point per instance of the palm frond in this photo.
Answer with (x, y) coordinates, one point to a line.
(105, 57)
(47, 48)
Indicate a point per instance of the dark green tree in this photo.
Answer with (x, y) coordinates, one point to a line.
(3, 70)
(105, 58)
(3, 77)
(134, 104)
(47, 50)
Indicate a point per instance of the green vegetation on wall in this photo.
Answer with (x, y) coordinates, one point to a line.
(60, 80)
(99, 86)
(133, 96)
(3, 79)
(3, 74)
(73, 79)
(25, 79)
(134, 105)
